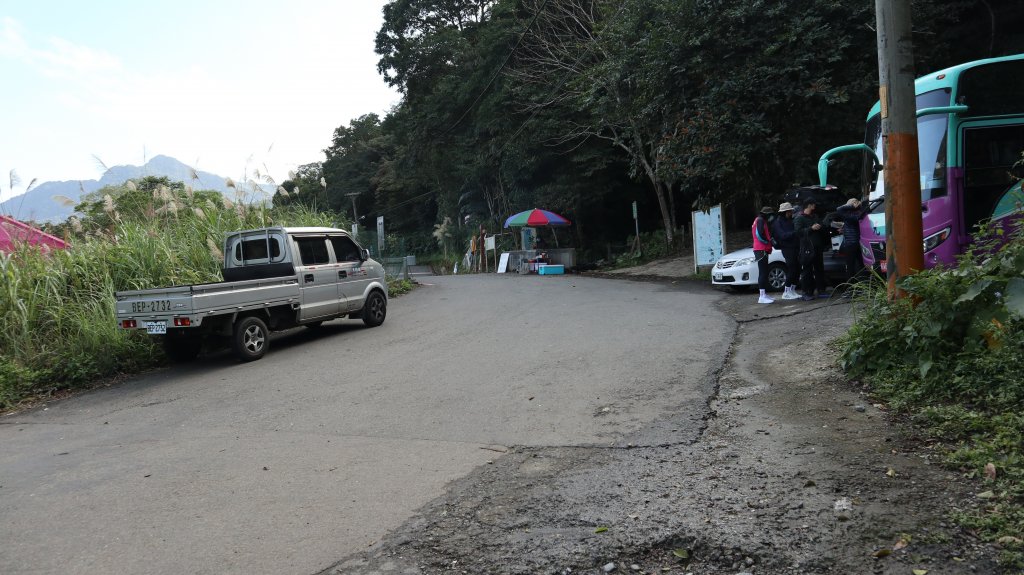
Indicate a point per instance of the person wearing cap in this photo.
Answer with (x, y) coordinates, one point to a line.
(787, 241)
(851, 214)
(813, 237)
(762, 234)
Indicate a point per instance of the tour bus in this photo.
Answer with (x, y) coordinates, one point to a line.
(970, 133)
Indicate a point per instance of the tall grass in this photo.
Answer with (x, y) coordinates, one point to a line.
(57, 319)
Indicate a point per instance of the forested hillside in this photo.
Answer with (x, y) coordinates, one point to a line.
(583, 106)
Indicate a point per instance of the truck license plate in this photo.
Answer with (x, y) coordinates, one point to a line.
(156, 327)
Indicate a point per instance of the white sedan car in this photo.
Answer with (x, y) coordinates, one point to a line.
(738, 270)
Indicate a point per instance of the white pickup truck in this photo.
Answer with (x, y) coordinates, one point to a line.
(275, 279)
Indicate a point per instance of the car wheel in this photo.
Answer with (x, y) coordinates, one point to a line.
(375, 309)
(776, 276)
(182, 348)
(250, 338)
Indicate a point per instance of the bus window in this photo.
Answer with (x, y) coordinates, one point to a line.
(992, 89)
(931, 145)
(931, 148)
(989, 153)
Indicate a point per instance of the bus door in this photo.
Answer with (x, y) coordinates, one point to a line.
(989, 150)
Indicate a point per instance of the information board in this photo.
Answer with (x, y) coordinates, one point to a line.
(380, 235)
(708, 237)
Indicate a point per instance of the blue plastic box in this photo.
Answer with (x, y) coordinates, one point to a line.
(551, 270)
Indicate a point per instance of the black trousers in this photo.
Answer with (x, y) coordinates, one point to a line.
(792, 256)
(761, 257)
(813, 274)
(854, 264)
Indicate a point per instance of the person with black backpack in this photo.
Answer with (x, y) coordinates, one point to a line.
(762, 234)
(813, 240)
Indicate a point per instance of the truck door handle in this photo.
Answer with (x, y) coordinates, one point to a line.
(342, 274)
(308, 278)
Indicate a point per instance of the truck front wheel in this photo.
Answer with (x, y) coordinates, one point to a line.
(375, 309)
(250, 338)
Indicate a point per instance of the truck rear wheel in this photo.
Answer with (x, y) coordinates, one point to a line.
(375, 309)
(250, 338)
(182, 347)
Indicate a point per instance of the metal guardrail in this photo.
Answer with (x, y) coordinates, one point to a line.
(397, 267)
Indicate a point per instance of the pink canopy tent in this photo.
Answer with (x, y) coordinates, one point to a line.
(13, 232)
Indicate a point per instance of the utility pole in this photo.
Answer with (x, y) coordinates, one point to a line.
(904, 251)
(355, 216)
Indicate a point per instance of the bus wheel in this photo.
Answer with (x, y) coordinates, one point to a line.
(250, 338)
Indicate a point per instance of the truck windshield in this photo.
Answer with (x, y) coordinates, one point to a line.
(931, 145)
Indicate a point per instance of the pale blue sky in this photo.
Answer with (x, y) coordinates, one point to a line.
(224, 85)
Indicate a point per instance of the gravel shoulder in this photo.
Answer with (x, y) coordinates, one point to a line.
(793, 471)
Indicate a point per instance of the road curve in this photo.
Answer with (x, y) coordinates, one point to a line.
(340, 434)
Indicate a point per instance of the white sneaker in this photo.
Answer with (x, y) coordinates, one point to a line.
(790, 293)
(765, 299)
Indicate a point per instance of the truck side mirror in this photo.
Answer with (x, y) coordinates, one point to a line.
(364, 254)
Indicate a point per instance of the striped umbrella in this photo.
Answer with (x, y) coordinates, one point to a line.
(536, 217)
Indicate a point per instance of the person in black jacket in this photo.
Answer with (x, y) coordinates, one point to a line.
(851, 214)
(813, 240)
(785, 238)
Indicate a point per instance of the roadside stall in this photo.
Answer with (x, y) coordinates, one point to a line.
(534, 255)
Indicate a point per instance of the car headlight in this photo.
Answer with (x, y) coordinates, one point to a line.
(744, 262)
(933, 241)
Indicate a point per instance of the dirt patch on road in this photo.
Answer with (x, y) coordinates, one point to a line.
(794, 472)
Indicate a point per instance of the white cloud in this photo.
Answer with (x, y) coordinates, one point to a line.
(65, 58)
(12, 43)
(61, 58)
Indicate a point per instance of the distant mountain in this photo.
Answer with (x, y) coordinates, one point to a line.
(39, 204)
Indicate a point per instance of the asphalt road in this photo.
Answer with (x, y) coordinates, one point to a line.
(338, 436)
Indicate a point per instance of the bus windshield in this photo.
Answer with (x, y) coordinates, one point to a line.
(931, 144)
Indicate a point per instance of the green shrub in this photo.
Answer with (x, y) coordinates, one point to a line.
(952, 354)
(653, 247)
(397, 286)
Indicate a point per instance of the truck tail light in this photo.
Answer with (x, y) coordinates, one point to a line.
(129, 324)
(182, 322)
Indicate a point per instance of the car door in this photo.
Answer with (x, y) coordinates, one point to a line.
(352, 275)
(318, 278)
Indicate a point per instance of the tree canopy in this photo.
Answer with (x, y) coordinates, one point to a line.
(584, 106)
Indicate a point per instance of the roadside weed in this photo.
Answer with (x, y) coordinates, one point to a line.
(57, 327)
(952, 356)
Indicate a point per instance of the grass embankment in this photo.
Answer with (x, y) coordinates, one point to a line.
(955, 362)
(57, 320)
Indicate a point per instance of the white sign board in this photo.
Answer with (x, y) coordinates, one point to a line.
(489, 243)
(708, 237)
(380, 235)
(503, 263)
